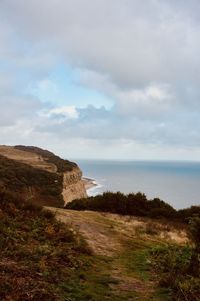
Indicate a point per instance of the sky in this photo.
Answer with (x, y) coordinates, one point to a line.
(101, 79)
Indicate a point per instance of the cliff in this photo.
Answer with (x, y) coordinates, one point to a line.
(73, 186)
(40, 176)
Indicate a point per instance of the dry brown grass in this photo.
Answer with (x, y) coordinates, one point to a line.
(27, 157)
(105, 231)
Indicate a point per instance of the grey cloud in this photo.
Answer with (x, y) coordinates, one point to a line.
(144, 56)
(133, 42)
(106, 126)
(16, 105)
(14, 109)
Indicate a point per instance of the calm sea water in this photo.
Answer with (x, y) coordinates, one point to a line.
(177, 183)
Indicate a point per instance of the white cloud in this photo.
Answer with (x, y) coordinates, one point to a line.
(152, 101)
(66, 111)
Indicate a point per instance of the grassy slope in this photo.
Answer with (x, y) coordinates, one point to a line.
(122, 248)
(43, 259)
(37, 252)
(61, 164)
(40, 186)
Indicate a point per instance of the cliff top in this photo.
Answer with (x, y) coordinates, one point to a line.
(36, 174)
(37, 157)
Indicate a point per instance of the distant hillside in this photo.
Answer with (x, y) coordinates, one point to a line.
(61, 164)
(39, 175)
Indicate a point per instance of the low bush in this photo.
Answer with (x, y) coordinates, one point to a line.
(186, 213)
(133, 204)
(172, 264)
(179, 267)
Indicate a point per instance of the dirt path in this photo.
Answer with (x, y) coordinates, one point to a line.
(124, 242)
(96, 229)
(106, 232)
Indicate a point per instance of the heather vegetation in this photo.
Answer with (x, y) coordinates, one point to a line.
(61, 164)
(37, 185)
(178, 268)
(38, 255)
(133, 204)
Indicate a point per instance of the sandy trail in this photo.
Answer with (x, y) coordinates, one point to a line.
(95, 228)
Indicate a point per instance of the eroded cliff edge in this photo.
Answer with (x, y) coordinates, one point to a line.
(73, 185)
(40, 176)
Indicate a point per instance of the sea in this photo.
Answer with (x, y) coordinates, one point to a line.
(177, 183)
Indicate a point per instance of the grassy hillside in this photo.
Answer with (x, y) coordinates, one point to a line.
(37, 185)
(38, 255)
(178, 268)
(61, 164)
(143, 259)
(43, 259)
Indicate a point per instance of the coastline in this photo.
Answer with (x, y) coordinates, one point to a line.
(174, 182)
(89, 183)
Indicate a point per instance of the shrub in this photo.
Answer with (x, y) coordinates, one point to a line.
(173, 265)
(194, 226)
(131, 204)
(185, 214)
(188, 289)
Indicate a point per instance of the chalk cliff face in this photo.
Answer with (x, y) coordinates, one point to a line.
(40, 176)
(73, 186)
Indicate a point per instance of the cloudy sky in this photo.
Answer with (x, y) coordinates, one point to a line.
(111, 79)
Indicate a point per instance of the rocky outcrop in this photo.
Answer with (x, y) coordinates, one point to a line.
(73, 185)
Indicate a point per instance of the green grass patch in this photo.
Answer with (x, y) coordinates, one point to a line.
(163, 294)
(135, 258)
